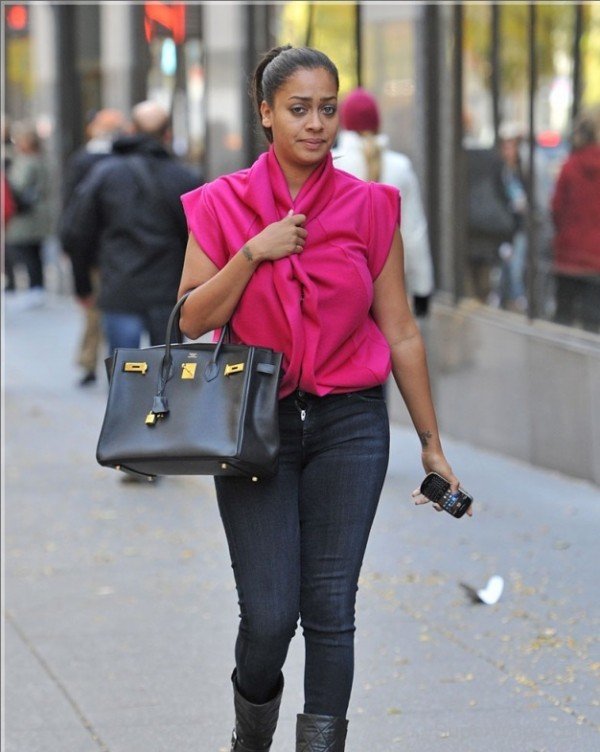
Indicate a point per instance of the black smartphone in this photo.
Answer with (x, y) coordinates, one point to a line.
(437, 489)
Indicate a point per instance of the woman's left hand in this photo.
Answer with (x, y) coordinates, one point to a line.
(434, 462)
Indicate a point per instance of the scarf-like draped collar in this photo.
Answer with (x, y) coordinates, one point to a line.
(313, 306)
(268, 195)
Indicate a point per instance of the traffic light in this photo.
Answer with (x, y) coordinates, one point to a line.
(17, 20)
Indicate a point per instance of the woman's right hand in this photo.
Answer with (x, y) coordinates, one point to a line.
(279, 239)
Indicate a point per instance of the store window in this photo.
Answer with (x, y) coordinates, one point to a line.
(478, 120)
(389, 69)
(590, 55)
(527, 71)
(383, 61)
(330, 27)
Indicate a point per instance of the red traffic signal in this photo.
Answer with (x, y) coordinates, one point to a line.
(17, 17)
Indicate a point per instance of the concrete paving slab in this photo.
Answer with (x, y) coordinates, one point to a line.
(41, 714)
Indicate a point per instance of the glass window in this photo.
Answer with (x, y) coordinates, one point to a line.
(511, 191)
(478, 120)
(590, 54)
(514, 66)
(489, 219)
(329, 27)
(388, 37)
(553, 103)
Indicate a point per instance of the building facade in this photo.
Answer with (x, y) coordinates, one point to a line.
(452, 80)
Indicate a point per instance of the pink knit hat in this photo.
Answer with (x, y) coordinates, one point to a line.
(359, 111)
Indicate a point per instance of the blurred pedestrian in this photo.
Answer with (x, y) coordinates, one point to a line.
(8, 203)
(576, 215)
(513, 252)
(363, 151)
(308, 260)
(125, 219)
(27, 229)
(104, 127)
(8, 146)
(490, 223)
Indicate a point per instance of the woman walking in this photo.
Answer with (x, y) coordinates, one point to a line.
(307, 260)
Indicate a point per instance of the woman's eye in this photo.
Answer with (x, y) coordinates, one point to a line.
(298, 109)
(329, 109)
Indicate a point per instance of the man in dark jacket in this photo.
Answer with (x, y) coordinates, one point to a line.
(104, 127)
(126, 218)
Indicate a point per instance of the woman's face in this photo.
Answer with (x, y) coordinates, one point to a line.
(304, 118)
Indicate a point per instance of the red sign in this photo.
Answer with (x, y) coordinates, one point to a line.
(169, 16)
(17, 17)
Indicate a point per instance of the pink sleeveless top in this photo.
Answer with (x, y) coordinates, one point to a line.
(314, 307)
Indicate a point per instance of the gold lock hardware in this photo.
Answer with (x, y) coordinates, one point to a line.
(151, 419)
(233, 368)
(135, 367)
(188, 370)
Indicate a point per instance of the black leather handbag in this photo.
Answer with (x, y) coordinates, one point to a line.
(192, 409)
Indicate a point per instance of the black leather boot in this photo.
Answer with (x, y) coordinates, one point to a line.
(320, 733)
(254, 724)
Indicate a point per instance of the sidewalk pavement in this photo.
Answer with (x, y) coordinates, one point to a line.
(121, 610)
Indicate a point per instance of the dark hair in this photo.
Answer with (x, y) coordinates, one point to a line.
(277, 65)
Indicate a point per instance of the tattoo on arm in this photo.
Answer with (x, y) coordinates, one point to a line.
(424, 437)
(247, 253)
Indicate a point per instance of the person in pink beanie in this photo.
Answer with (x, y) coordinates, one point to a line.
(364, 152)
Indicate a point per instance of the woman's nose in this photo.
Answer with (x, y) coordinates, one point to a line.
(315, 121)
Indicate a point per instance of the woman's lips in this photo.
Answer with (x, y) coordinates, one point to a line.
(313, 143)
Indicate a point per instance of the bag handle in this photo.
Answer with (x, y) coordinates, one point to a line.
(160, 405)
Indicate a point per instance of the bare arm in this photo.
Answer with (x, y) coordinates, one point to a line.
(216, 292)
(409, 364)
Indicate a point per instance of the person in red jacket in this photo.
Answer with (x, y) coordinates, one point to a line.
(576, 216)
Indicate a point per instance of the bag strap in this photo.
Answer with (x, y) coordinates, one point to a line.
(160, 406)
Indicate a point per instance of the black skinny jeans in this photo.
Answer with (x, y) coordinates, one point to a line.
(297, 543)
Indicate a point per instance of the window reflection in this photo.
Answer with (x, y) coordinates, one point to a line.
(507, 208)
(389, 70)
(478, 122)
(328, 27)
(512, 258)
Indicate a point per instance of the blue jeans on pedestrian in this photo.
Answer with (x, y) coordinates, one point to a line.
(126, 329)
(297, 543)
(512, 278)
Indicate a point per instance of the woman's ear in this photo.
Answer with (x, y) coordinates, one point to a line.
(265, 114)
